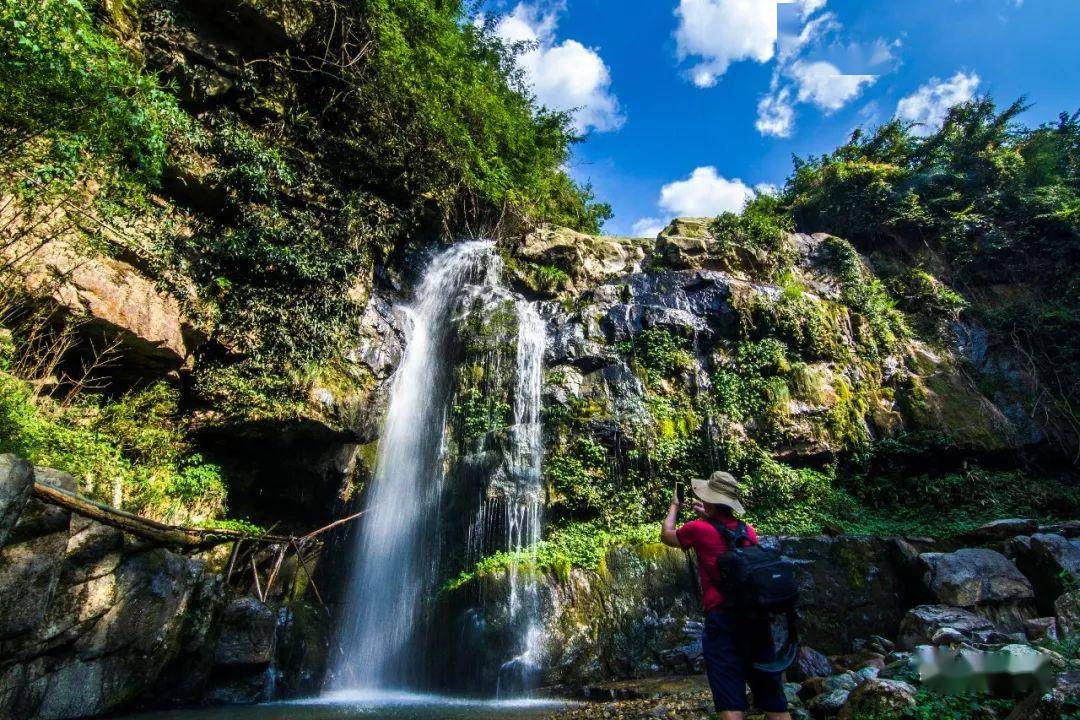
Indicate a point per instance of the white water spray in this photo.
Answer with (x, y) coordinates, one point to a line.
(395, 566)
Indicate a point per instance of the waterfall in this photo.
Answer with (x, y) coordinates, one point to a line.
(526, 501)
(395, 566)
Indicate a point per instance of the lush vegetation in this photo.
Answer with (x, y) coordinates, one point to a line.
(984, 202)
(130, 451)
(72, 95)
(407, 121)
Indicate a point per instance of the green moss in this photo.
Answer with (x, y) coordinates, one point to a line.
(865, 294)
(133, 447)
(659, 353)
(755, 241)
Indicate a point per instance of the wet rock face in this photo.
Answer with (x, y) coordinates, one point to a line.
(87, 624)
(974, 576)
(922, 623)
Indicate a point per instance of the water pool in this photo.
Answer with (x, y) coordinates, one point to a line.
(372, 706)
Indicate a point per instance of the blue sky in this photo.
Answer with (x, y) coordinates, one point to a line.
(690, 104)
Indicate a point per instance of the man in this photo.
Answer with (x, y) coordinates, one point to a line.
(731, 644)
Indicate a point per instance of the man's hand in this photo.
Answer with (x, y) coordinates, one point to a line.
(668, 536)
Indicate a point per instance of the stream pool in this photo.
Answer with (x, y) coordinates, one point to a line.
(362, 706)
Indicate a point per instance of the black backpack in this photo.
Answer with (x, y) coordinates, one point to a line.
(758, 582)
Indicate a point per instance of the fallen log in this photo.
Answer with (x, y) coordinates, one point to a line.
(145, 528)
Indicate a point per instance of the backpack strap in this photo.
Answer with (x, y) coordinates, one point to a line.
(739, 537)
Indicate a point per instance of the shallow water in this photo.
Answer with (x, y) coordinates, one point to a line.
(366, 706)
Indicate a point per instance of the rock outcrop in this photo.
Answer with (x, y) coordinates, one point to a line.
(112, 298)
(93, 621)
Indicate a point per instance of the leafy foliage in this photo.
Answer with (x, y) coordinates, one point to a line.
(131, 447)
(439, 110)
(998, 203)
(71, 92)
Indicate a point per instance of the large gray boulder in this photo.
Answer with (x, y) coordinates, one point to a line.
(974, 576)
(16, 479)
(878, 698)
(923, 622)
(1051, 563)
(851, 587)
(808, 663)
(1002, 529)
(247, 634)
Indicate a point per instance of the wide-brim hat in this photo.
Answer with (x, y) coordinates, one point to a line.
(720, 489)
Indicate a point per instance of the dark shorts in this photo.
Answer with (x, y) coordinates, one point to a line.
(731, 648)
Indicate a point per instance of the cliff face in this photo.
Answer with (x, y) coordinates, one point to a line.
(699, 350)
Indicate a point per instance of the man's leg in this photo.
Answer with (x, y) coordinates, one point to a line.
(756, 646)
(724, 667)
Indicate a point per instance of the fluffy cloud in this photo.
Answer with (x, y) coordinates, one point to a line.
(704, 193)
(721, 32)
(564, 75)
(929, 105)
(775, 113)
(647, 227)
(822, 84)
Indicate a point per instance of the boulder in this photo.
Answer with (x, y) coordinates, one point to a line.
(808, 663)
(585, 260)
(878, 698)
(16, 478)
(247, 634)
(828, 704)
(857, 661)
(31, 560)
(685, 243)
(1041, 629)
(974, 576)
(1067, 528)
(117, 300)
(1051, 563)
(1001, 530)
(1067, 611)
(947, 636)
(851, 586)
(1060, 701)
(922, 622)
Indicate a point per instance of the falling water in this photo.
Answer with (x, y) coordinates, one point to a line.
(395, 563)
(526, 500)
(395, 566)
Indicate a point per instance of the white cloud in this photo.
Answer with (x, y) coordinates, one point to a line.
(648, 227)
(721, 32)
(809, 7)
(822, 84)
(704, 193)
(929, 105)
(775, 113)
(765, 188)
(564, 75)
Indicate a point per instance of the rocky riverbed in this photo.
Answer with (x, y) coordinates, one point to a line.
(93, 621)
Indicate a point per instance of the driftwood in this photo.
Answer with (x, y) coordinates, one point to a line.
(162, 533)
(193, 539)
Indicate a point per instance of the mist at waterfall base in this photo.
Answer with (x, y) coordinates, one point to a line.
(393, 634)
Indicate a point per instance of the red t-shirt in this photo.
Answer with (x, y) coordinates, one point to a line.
(709, 544)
